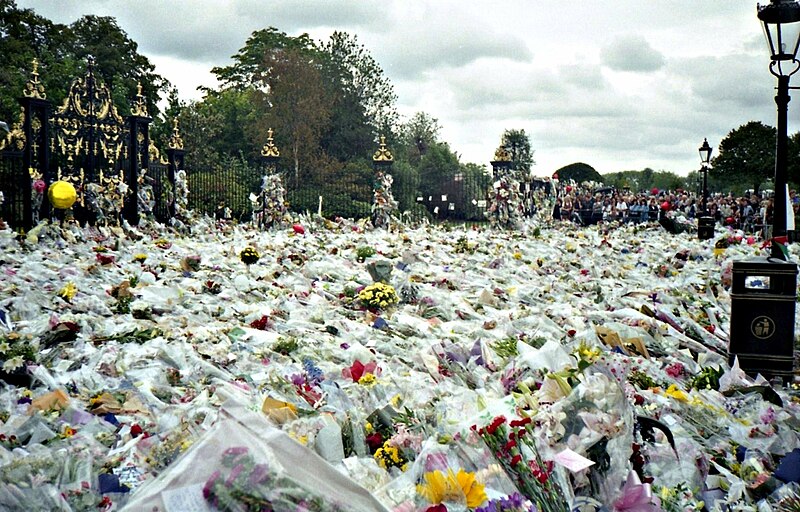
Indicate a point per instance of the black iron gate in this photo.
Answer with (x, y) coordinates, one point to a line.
(87, 143)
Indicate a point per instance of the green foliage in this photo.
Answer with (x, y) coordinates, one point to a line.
(285, 346)
(641, 380)
(364, 252)
(708, 378)
(506, 348)
(62, 51)
(417, 136)
(746, 156)
(579, 172)
(518, 144)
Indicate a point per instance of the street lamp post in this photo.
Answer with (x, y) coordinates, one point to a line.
(781, 27)
(764, 290)
(705, 224)
(705, 157)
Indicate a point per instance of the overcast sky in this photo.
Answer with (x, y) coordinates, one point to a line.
(617, 84)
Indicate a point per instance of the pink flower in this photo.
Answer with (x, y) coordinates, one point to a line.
(39, 186)
(636, 497)
(359, 369)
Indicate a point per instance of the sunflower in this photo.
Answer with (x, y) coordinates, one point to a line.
(460, 487)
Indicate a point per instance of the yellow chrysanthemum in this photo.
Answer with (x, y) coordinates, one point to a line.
(68, 291)
(461, 486)
(367, 379)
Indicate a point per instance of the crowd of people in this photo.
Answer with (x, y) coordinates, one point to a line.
(587, 205)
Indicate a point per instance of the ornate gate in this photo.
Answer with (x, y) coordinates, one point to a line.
(85, 142)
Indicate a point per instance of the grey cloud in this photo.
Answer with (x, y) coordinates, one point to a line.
(410, 54)
(290, 15)
(632, 53)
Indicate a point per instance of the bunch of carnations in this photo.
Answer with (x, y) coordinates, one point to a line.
(514, 447)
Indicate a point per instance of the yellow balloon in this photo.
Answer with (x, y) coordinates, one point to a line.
(62, 195)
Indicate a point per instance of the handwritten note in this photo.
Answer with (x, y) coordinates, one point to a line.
(185, 499)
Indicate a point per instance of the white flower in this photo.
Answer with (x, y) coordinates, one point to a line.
(12, 364)
(4, 347)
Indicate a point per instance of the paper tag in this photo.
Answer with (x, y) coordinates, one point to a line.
(185, 499)
(573, 461)
(259, 377)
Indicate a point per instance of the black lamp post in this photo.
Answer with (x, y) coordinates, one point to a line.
(764, 290)
(780, 19)
(705, 157)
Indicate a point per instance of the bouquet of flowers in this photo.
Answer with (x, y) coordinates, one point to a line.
(243, 484)
(378, 296)
(249, 256)
(514, 447)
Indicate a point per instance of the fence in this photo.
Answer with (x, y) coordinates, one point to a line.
(104, 154)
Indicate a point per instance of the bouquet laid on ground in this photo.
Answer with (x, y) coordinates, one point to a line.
(514, 446)
(378, 296)
(243, 484)
(249, 256)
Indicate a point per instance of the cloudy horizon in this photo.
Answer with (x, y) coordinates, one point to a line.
(617, 84)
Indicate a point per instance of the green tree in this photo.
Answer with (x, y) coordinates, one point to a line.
(117, 62)
(579, 172)
(417, 135)
(746, 155)
(361, 77)
(62, 50)
(518, 144)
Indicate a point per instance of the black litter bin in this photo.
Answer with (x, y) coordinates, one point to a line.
(763, 296)
(705, 228)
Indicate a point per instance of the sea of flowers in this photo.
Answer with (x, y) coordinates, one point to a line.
(328, 367)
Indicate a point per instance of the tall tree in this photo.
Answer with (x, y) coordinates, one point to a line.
(62, 51)
(361, 76)
(297, 104)
(579, 172)
(746, 155)
(117, 61)
(418, 134)
(518, 144)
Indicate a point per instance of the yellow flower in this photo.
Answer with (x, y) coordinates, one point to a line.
(367, 379)
(674, 392)
(139, 258)
(461, 486)
(517, 255)
(68, 292)
(368, 427)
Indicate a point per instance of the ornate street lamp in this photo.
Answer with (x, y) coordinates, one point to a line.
(705, 157)
(705, 224)
(781, 27)
(764, 290)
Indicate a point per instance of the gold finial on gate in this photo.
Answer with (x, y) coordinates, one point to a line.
(34, 88)
(383, 154)
(501, 155)
(175, 141)
(139, 107)
(270, 149)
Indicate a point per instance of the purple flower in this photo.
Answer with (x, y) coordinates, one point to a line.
(235, 472)
(259, 475)
(210, 483)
